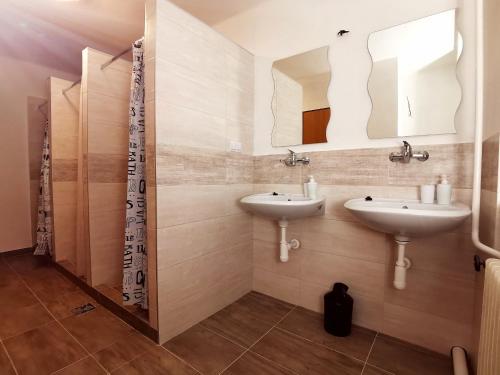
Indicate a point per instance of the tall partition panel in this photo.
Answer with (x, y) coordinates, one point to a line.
(64, 123)
(202, 100)
(105, 104)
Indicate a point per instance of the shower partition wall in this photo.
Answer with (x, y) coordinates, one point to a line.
(90, 149)
(63, 135)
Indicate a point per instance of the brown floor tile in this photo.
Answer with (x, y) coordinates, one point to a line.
(16, 321)
(97, 329)
(206, 351)
(252, 364)
(124, 350)
(25, 263)
(62, 305)
(48, 282)
(156, 362)
(305, 357)
(237, 325)
(370, 370)
(86, 366)
(18, 296)
(246, 320)
(264, 307)
(309, 324)
(5, 365)
(402, 358)
(43, 350)
(7, 276)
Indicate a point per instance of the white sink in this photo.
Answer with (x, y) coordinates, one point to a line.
(408, 218)
(283, 206)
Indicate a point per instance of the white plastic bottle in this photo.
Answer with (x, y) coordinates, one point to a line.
(312, 188)
(444, 191)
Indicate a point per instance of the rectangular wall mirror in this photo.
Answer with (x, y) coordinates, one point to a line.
(300, 101)
(413, 84)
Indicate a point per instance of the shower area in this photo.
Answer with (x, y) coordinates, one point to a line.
(92, 213)
(143, 187)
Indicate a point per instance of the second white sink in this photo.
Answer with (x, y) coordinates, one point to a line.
(408, 218)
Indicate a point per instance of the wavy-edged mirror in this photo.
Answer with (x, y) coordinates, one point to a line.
(300, 100)
(413, 83)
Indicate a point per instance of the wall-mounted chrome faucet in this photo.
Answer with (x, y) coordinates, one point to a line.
(407, 154)
(293, 159)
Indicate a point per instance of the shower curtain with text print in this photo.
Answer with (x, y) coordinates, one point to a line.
(135, 260)
(44, 223)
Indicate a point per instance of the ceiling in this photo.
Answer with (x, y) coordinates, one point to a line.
(215, 11)
(54, 32)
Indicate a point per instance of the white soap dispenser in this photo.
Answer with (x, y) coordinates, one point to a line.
(312, 188)
(444, 191)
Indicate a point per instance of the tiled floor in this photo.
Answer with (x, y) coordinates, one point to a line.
(256, 335)
(261, 335)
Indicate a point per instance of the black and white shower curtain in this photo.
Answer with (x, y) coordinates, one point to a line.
(44, 223)
(135, 253)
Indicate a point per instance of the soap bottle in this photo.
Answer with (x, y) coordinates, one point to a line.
(444, 191)
(312, 188)
(338, 311)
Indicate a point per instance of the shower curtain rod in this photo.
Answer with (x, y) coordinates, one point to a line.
(40, 109)
(114, 58)
(103, 66)
(72, 85)
(43, 104)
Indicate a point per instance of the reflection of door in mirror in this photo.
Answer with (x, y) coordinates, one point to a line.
(413, 84)
(300, 101)
(489, 213)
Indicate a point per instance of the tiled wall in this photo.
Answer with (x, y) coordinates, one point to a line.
(436, 309)
(64, 117)
(489, 212)
(201, 92)
(105, 102)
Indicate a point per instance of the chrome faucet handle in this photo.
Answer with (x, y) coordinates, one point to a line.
(407, 154)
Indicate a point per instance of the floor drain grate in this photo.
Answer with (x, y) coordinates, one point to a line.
(83, 309)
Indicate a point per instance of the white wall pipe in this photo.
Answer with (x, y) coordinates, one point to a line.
(284, 245)
(402, 265)
(459, 358)
(478, 147)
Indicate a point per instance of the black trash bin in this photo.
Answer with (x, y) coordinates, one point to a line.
(338, 311)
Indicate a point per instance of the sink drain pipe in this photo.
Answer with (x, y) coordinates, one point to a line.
(286, 246)
(402, 263)
(459, 358)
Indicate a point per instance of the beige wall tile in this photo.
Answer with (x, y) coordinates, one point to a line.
(64, 170)
(447, 254)
(107, 168)
(182, 204)
(189, 166)
(349, 167)
(489, 167)
(179, 243)
(453, 160)
(344, 238)
(364, 278)
(427, 330)
(446, 296)
(176, 124)
(266, 257)
(277, 286)
(270, 170)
